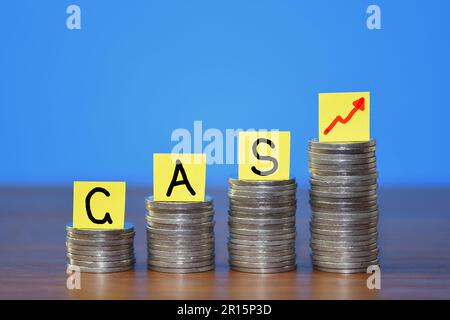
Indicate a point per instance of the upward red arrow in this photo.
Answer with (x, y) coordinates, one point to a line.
(358, 105)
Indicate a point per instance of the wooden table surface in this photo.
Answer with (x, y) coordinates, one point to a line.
(414, 237)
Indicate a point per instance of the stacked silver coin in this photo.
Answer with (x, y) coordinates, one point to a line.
(100, 251)
(180, 236)
(262, 225)
(343, 198)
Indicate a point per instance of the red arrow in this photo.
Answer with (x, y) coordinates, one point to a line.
(358, 105)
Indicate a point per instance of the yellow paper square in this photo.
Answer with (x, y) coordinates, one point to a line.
(96, 204)
(344, 117)
(273, 144)
(164, 171)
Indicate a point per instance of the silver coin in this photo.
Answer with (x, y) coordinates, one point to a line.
(128, 227)
(289, 236)
(343, 201)
(341, 226)
(257, 232)
(337, 160)
(261, 194)
(344, 237)
(181, 258)
(258, 247)
(262, 252)
(264, 270)
(344, 221)
(344, 179)
(164, 264)
(247, 215)
(181, 210)
(350, 207)
(338, 247)
(176, 204)
(200, 226)
(195, 237)
(180, 253)
(345, 260)
(340, 265)
(99, 242)
(110, 264)
(233, 205)
(180, 243)
(343, 194)
(261, 221)
(343, 167)
(342, 173)
(202, 247)
(99, 258)
(344, 145)
(180, 232)
(260, 198)
(341, 157)
(101, 247)
(342, 216)
(264, 265)
(184, 216)
(100, 237)
(316, 183)
(262, 188)
(345, 254)
(269, 183)
(262, 228)
(343, 271)
(338, 232)
(337, 189)
(340, 150)
(103, 270)
(182, 270)
(263, 210)
(201, 221)
(342, 243)
(100, 252)
(261, 258)
(260, 242)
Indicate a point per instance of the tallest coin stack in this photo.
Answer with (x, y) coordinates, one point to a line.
(343, 198)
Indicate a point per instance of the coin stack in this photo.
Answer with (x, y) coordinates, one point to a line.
(180, 236)
(100, 251)
(262, 225)
(343, 198)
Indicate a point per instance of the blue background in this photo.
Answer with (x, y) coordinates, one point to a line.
(96, 103)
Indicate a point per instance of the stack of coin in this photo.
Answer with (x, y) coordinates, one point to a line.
(343, 198)
(262, 225)
(100, 251)
(180, 236)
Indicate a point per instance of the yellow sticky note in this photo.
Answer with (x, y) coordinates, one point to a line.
(98, 205)
(264, 155)
(179, 177)
(344, 117)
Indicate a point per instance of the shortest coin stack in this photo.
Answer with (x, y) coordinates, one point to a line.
(100, 251)
(180, 236)
(262, 225)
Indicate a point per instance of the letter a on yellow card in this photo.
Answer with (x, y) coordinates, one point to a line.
(179, 177)
(344, 117)
(264, 155)
(98, 205)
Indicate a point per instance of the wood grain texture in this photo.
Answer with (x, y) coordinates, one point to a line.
(414, 239)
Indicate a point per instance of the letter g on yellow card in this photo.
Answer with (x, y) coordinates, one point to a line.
(179, 177)
(98, 205)
(344, 117)
(264, 155)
